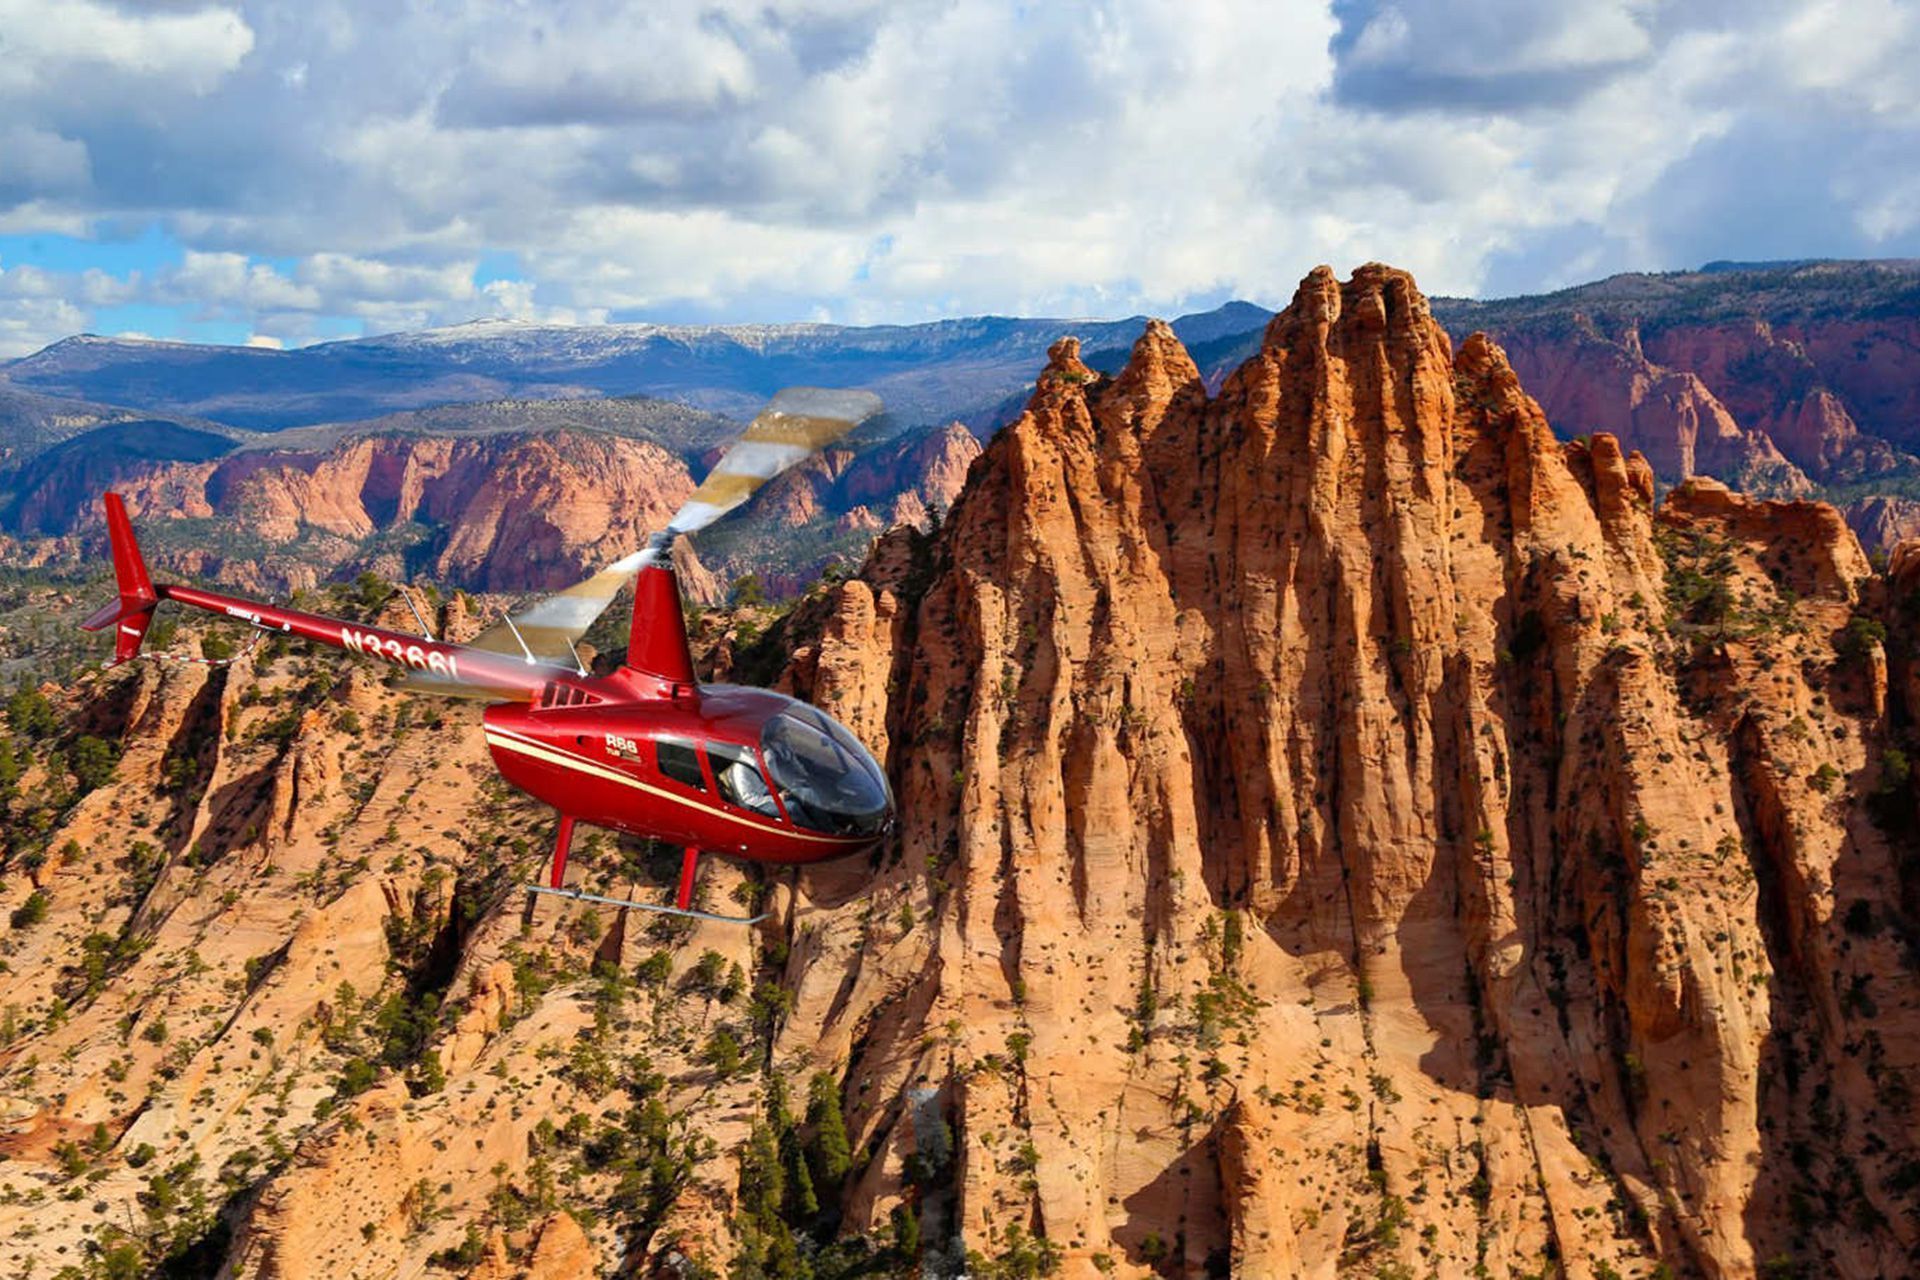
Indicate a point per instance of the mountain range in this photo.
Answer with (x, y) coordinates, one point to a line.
(926, 373)
(1787, 379)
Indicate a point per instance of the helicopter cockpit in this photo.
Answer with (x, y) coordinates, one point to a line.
(827, 780)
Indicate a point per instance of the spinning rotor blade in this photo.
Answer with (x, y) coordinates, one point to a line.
(795, 425)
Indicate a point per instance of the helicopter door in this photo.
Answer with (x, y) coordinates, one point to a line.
(737, 774)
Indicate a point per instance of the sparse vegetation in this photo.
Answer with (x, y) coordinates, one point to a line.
(1859, 639)
(31, 912)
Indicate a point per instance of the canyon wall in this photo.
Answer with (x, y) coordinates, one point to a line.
(1785, 385)
(1347, 827)
(501, 512)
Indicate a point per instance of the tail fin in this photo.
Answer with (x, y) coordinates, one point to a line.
(657, 635)
(134, 609)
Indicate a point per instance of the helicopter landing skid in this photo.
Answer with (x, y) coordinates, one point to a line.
(686, 913)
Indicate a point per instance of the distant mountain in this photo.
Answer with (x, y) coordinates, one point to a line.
(1784, 292)
(499, 496)
(927, 373)
(31, 422)
(1792, 379)
(1789, 379)
(46, 494)
(676, 427)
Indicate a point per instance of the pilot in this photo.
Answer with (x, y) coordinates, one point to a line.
(744, 782)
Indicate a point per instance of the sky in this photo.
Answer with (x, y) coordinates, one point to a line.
(284, 173)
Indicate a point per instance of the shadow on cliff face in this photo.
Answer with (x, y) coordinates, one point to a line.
(1777, 1215)
(235, 812)
(191, 758)
(1193, 1240)
(1532, 1016)
(1822, 1034)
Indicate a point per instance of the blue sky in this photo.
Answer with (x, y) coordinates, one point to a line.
(286, 173)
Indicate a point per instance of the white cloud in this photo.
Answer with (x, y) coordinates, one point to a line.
(1591, 34)
(46, 40)
(28, 323)
(876, 161)
(44, 217)
(514, 300)
(342, 275)
(604, 62)
(217, 280)
(1861, 51)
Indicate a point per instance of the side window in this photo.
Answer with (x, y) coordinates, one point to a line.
(679, 761)
(737, 774)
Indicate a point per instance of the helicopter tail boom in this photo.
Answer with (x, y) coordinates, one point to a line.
(456, 668)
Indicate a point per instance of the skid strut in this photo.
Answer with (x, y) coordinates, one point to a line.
(682, 900)
(689, 866)
(562, 841)
(659, 908)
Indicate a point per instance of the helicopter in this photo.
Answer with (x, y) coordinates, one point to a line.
(647, 750)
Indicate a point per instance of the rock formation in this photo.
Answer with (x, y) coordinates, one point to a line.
(1588, 382)
(1344, 831)
(1353, 829)
(509, 512)
(1787, 381)
(502, 512)
(1883, 522)
(850, 492)
(1773, 380)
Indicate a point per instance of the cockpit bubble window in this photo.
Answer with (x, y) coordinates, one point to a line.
(738, 777)
(827, 780)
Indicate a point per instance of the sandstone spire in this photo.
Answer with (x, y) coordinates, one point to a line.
(1320, 819)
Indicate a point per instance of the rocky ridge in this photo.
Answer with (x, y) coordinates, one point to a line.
(1342, 767)
(1588, 381)
(1343, 831)
(1783, 379)
(492, 511)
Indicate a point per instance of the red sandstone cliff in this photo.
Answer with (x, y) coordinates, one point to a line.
(1794, 381)
(1344, 831)
(514, 512)
(1331, 856)
(1587, 381)
(509, 512)
(1773, 406)
(847, 496)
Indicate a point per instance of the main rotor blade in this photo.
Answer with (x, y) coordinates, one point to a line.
(796, 424)
(545, 631)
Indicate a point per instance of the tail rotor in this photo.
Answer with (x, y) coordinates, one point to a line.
(131, 614)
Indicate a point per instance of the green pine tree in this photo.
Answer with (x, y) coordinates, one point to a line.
(832, 1153)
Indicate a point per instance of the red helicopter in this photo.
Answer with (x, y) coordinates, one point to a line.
(647, 750)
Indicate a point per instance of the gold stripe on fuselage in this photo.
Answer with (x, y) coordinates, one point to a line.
(542, 751)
